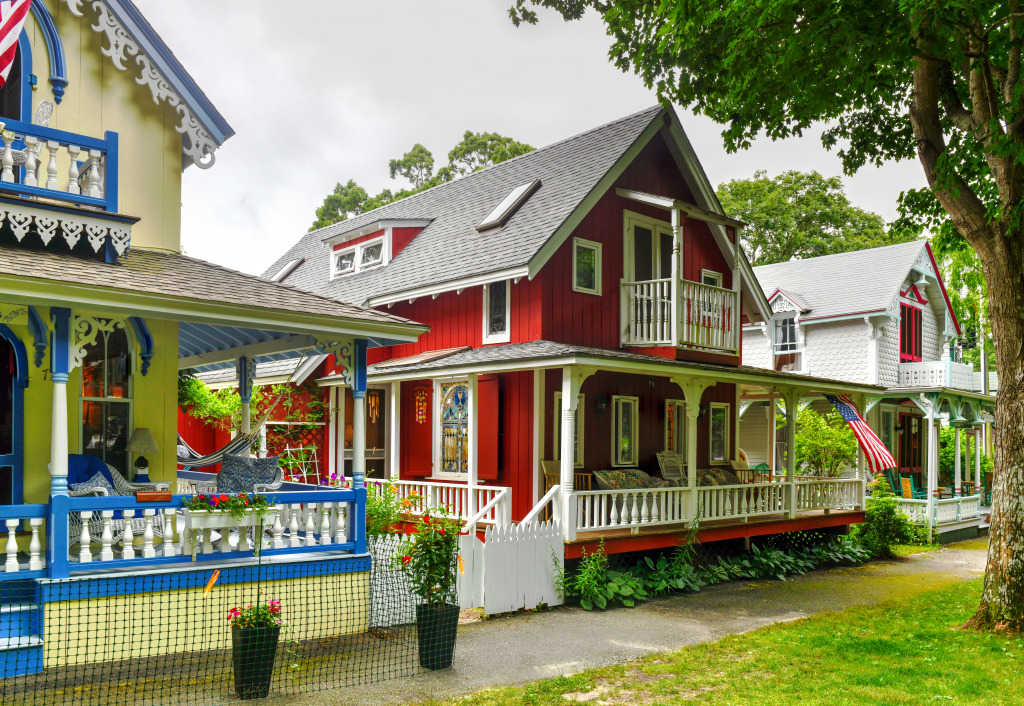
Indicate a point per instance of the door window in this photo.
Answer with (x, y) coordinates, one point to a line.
(107, 399)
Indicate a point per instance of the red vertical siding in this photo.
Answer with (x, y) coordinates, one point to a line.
(516, 440)
(400, 237)
(360, 239)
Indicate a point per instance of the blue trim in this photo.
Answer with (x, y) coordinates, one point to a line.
(16, 459)
(55, 48)
(246, 373)
(164, 60)
(57, 562)
(60, 341)
(110, 137)
(26, 73)
(145, 340)
(89, 587)
(39, 335)
(359, 359)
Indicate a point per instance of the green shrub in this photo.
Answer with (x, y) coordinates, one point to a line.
(885, 524)
(947, 457)
(825, 444)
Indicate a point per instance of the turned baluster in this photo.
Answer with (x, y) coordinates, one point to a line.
(341, 524)
(51, 164)
(31, 161)
(243, 538)
(106, 536)
(128, 537)
(293, 526)
(101, 168)
(84, 553)
(12, 546)
(73, 186)
(148, 551)
(93, 184)
(614, 515)
(8, 158)
(35, 547)
(310, 526)
(277, 542)
(207, 541)
(325, 523)
(169, 532)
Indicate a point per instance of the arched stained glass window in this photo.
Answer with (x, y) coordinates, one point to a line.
(454, 428)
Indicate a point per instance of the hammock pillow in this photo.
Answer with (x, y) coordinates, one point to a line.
(96, 481)
(239, 474)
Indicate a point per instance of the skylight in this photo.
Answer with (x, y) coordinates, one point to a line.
(287, 269)
(504, 210)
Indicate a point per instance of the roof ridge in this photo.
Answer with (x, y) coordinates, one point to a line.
(921, 242)
(488, 168)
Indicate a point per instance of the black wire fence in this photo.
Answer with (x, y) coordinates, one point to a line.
(165, 637)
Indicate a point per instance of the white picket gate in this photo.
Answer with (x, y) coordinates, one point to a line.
(512, 568)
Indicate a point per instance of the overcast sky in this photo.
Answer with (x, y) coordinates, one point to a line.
(322, 91)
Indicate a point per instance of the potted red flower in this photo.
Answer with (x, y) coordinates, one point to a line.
(428, 558)
(255, 631)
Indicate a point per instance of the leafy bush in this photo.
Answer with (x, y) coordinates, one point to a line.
(885, 524)
(825, 444)
(947, 456)
(428, 558)
(383, 511)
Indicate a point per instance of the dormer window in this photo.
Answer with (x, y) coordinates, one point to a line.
(788, 348)
(359, 257)
(371, 255)
(345, 262)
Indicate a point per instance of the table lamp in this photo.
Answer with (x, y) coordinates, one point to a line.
(142, 442)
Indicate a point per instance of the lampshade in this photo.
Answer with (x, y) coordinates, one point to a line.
(142, 442)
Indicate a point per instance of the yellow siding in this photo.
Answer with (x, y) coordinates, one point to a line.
(166, 622)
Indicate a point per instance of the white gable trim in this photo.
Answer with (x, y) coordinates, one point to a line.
(515, 274)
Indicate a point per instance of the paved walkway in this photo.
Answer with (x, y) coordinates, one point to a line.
(521, 648)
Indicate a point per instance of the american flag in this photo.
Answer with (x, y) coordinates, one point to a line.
(12, 19)
(878, 457)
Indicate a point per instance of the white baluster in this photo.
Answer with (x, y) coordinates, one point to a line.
(12, 546)
(148, 551)
(341, 526)
(185, 532)
(101, 167)
(84, 553)
(8, 159)
(277, 542)
(207, 541)
(128, 537)
(293, 527)
(106, 536)
(310, 526)
(73, 186)
(325, 523)
(31, 160)
(51, 164)
(243, 539)
(93, 183)
(168, 546)
(35, 547)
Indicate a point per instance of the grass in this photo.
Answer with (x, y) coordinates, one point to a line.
(900, 652)
(908, 549)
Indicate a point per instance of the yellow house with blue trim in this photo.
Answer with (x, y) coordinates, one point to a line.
(99, 311)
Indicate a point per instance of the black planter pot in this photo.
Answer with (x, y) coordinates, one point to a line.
(253, 651)
(436, 627)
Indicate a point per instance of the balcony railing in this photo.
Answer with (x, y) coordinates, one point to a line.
(704, 317)
(937, 373)
(40, 162)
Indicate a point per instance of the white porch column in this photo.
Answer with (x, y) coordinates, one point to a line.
(932, 471)
(472, 465)
(60, 367)
(771, 434)
(358, 438)
(693, 391)
(956, 463)
(572, 381)
(677, 249)
(394, 429)
(792, 398)
(977, 460)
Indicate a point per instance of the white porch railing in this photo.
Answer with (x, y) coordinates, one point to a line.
(649, 312)
(829, 494)
(708, 317)
(613, 509)
(452, 498)
(937, 373)
(746, 500)
(947, 510)
(18, 517)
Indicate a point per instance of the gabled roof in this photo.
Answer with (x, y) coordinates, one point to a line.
(861, 282)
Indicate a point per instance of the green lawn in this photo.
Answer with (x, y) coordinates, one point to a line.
(903, 652)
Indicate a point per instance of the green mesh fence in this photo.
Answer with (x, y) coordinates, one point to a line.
(165, 637)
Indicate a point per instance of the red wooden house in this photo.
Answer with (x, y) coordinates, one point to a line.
(585, 303)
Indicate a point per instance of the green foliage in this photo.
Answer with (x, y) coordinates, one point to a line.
(383, 510)
(428, 558)
(200, 402)
(260, 615)
(947, 457)
(800, 215)
(236, 505)
(825, 444)
(885, 525)
(475, 151)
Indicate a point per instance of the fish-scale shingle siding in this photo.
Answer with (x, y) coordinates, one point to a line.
(838, 350)
(756, 349)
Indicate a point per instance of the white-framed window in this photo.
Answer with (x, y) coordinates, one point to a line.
(288, 268)
(372, 253)
(711, 278)
(675, 426)
(586, 266)
(497, 312)
(718, 438)
(786, 343)
(625, 430)
(557, 436)
(647, 248)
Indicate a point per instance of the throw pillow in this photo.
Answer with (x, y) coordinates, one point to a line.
(240, 475)
(95, 481)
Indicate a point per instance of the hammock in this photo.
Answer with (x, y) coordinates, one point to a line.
(240, 443)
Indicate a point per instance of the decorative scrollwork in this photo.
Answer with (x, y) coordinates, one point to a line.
(84, 332)
(344, 357)
(69, 226)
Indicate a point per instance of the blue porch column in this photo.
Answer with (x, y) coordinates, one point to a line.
(60, 367)
(246, 374)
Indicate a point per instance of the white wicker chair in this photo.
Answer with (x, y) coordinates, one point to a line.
(122, 488)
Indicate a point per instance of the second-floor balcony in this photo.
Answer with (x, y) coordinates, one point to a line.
(936, 373)
(689, 315)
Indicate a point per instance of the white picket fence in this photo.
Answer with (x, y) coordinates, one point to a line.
(513, 567)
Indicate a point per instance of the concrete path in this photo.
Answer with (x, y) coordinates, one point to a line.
(521, 648)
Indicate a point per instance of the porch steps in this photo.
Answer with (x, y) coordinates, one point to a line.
(21, 639)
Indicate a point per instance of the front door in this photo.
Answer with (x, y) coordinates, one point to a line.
(11, 430)
(911, 427)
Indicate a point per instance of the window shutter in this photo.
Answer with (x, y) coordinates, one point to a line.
(417, 429)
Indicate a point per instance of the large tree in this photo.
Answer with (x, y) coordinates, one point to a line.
(475, 151)
(801, 214)
(939, 80)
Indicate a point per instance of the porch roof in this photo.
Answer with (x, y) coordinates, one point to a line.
(549, 354)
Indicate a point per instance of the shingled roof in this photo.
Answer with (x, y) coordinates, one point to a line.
(450, 248)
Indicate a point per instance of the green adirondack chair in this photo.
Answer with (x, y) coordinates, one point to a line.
(894, 481)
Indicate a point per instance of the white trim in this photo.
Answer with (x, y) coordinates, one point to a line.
(538, 432)
(277, 345)
(711, 437)
(357, 255)
(303, 371)
(616, 460)
(712, 274)
(506, 335)
(393, 437)
(453, 286)
(436, 472)
(373, 227)
(691, 210)
(678, 414)
(578, 243)
(580, 423)
(658, 228)
(287, 269)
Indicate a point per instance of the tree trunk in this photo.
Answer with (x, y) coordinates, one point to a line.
(1002, 602)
